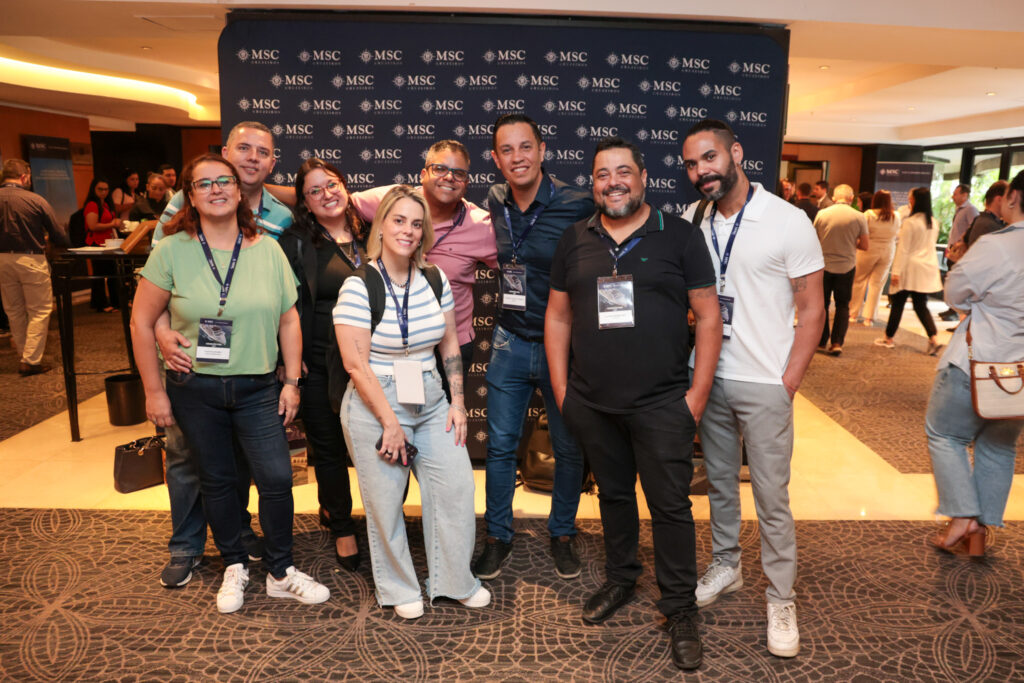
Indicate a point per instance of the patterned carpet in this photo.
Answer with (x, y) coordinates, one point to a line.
(79, 600)
(880, 395)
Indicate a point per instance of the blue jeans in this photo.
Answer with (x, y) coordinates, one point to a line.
(951, 424)
(517, 368)
(446, 489)
(213, 413)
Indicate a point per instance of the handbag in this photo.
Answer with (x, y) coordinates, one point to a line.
(139, 464)
(996, 388)
(537, 461)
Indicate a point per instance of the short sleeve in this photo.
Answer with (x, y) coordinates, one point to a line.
(172, 208)
(697, 265)
(447, 299)
(91, 207)
(159, 266)
(557, 279)
(802, 248)
(353, 307)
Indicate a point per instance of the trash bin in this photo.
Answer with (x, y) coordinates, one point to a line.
(126, 400)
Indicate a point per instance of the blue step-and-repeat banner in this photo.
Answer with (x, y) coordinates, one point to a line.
(371, 92)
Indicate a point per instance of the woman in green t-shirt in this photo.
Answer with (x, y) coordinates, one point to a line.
(230, 292)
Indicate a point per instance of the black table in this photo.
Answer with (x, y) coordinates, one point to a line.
(69, 268)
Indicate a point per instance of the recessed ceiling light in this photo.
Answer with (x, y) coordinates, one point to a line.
(911, 108)
(824, 67)
(990, 94)
(146, 47)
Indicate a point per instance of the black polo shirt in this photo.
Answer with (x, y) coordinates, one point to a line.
(630, 369)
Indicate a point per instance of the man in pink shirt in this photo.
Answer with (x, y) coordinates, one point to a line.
(463, 235)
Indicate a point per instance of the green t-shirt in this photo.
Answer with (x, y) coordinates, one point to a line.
(262, 289)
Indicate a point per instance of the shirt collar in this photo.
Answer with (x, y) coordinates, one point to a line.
(652, 224)
(543, 196)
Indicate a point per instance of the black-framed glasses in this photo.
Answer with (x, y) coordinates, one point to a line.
(440, 171)
(317, 192)
(206, 184)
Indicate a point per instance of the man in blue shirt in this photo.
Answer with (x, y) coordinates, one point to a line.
(530, 211)
(250, 148)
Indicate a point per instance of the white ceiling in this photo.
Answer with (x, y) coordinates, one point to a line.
(902, 72)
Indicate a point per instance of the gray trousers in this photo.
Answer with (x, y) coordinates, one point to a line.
(763, 415)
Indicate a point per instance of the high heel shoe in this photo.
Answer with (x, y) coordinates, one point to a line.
(969, 543)
(976, 542)
(349, 562)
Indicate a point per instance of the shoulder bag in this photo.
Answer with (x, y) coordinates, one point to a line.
(996, 388)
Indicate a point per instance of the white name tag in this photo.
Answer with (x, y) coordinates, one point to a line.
(615, 302)
(214, 343)
(409, 382)
(513, 287)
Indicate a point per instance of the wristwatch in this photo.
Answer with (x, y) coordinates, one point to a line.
(295, 382)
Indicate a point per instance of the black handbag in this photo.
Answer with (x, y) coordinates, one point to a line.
(537, 461)
(139, 464)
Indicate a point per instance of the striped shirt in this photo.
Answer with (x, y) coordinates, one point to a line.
(273, 216)
(426, 321)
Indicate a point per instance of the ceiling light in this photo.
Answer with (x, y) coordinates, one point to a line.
(31, 75)
(910, 108)
(990, 94)
(146, 47)
(824, 67)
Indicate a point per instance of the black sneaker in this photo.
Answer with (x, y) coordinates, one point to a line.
(488, 565)
(178, 571)
(684, 641)
(253, 546)
(567, 564)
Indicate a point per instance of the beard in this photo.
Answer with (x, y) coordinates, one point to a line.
(627, 209)
(726, 183)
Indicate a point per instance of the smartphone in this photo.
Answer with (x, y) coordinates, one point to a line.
(410, 450)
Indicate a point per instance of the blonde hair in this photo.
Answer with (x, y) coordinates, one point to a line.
(373, 242)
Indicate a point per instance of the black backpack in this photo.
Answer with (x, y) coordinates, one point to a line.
(76, 228)
(337, 378)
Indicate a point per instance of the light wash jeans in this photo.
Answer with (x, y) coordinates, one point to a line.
(446, 488)
(951, 424)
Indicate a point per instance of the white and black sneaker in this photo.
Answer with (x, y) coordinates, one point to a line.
(232, 590)
(298, 586)
(178, 571)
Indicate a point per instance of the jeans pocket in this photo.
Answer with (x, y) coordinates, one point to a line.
(502, 340)
(179, 379)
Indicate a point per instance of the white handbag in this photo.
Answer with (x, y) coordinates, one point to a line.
(997, 389)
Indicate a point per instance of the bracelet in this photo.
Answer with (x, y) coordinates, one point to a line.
(460, 409)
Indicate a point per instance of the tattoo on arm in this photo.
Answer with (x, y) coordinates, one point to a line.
(799, 284)
(703, 293)
(453, 369)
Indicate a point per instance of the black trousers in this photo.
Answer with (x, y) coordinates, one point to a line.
(657, 444)
(840, 287)
(896, 303)
(326, 442)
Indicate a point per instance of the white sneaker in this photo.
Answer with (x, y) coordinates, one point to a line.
(232, 589)
(298, 586)
(410, 610)
(481, 598)
(783, 635)
(718, 579)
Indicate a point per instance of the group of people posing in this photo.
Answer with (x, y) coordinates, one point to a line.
(353, 311)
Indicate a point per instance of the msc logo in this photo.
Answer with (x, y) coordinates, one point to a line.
(415, 80)
(483, 321)
(292, 81)
(481, 81)
(481, 178)
(661, 183)
(414, 130)
(353, 130)
(478, 368)
(596, 132)
(360, 178)
(406, 179)
(549, 130)
(690, 63)
(753, 117)
(600, 83)
(754, 69)
(258, 55)
(293, 129)
(481, 130)
(628, 60)
(263, 105)
(381, 154)
(321, 153)
(674, 208)
(538, 81)
(721, 91)
(321, 56)
(629, 109)
(354, 81)
(477, 412)
(380, 106)
(658, 135)
(485, 273)
(505, 56)
(439, 57)
(569, 155)
(287, 178)
(566, 106)
(321, 106)
(665, 86)
(381, 56)
(567, 57)
(505, 105)
(443, 106)
(755, 165)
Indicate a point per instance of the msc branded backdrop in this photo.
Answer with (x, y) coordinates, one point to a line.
(371, 93)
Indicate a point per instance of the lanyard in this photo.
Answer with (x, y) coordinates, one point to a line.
(225, 284)
(532, 221)
(723, 259)
(341, 252)
(403, 310)
(618, 251)
(458, 221)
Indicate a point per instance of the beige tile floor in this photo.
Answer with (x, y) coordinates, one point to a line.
(42, 468)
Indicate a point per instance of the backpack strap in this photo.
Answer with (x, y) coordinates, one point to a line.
(374, 292)
(698, 215)
(433, 275)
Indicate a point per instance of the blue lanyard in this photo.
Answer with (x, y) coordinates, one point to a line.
(618, 251)
(723, 259)
(225, 284)
(458, 221)
(341, 252)
(533, 219)
(403, 310)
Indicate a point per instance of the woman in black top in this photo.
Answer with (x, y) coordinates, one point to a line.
(324, 246)
(148, 207)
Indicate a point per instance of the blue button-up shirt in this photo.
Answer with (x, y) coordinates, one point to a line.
(273, 216)
(558, 212)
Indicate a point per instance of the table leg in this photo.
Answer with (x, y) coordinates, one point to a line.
(65, 323)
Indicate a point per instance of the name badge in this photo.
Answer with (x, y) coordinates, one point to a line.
(615, 302)
(214, 344)
(409, 382)
(513, 287)
(726, 304)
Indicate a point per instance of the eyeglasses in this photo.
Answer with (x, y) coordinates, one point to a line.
(206, 184)
(440, 171)
(318, 191)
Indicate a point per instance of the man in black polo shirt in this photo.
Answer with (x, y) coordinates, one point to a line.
(530, 211)
(621, 283)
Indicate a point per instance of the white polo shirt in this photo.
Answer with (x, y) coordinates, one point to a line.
(775, 243)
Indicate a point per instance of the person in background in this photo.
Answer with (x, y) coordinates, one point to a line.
(990, 219)
(170, 177)
(915, 270)
(986, 286)
(873, 264)
(101, 224)
(26, 220)
(394, 404)
(805, 202)
(864, 201)
(324, 246)
(786, 190)
(230, 292)
(820, 192)
(149, 206)
(125, 194)
(843, 232)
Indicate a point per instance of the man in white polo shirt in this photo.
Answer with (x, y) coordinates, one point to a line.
(769, 266)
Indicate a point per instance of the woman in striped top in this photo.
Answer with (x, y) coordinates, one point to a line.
(396, 358)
